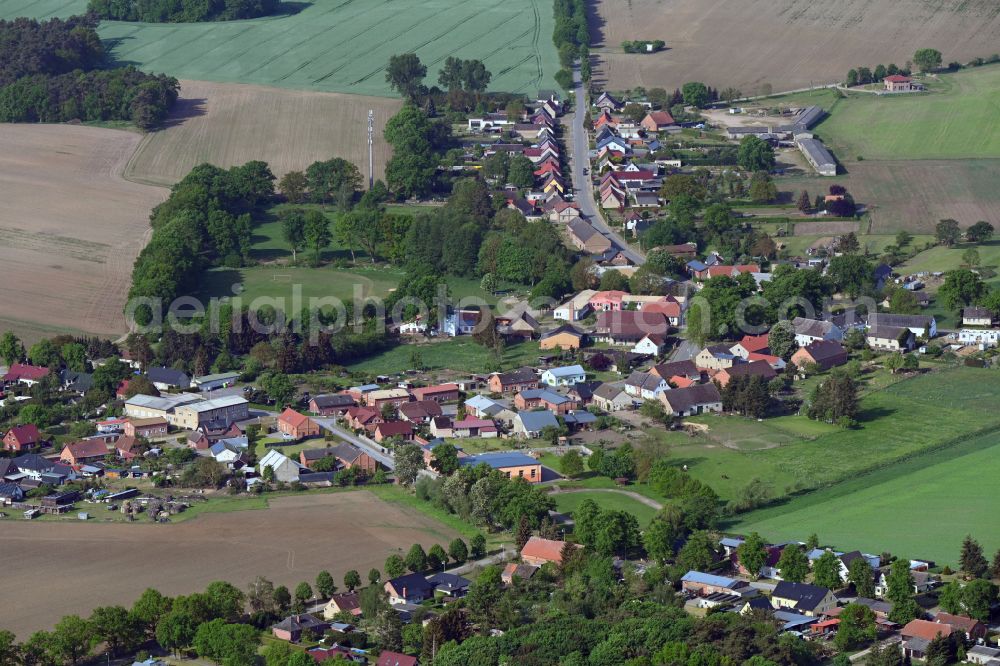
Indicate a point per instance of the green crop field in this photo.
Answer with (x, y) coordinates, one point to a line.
(921, 508)
(957, 118)
(336, 45)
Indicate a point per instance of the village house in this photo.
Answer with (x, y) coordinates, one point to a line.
(811, 330)
(22, 438)
(566, 338)
(586, 238)
(347, 456)
(216, 381)
(517, 571)
(401, 429)
(225, 409)
(899, 83)
(512, 465)
(409, 589)
(652, 344)
(283, 468)
(293, 626)
(362, 418)
(822, 353)
(803, 598)
(678, 369)
(344, 602)
(331, 404)
(20, 373)
(538, 551)
(890, 338)
(148, 428)
(761, 369)
(165, 379)
(976, 316)
(297, 426)
(393, 396)
(389, 658)
(973, 629)
(449, 585)
(979, 337)
(564, 376)
(917, 635)
(627, 327)
(575, 308)
(716, 357)
(704, 584)
(531, 424)
(751, 344)
(514, 381)
(922, 326)
(612, 398)
(693, 400)
(645, 385)
(419, 412)
(657, 121)
(544, 398)
(440, 393)
(88, 450)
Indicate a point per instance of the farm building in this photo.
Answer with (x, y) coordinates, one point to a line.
(565, 337)
(538, 551)
(817, 155)
(296, 425)
(696, 399)
(216, 381)
(226, 409)
(514, 465)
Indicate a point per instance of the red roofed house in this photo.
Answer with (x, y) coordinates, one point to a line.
(362, 417)
(898, 83)
(439, 393)
(752, 369)
(972, 628)
(668, 307)
(751, 344)
(824, 353)
(25, 374)
(22, 437)
(657, 121)
(386, 658)
(76, 453)
(539, 551)
(607, 301)
(925, 629)
(296, 425)
(389, 429)
(731, 271)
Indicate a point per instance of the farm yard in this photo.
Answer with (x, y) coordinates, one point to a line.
(919, 508)
(61, 274)
(760, 45)
(227, 125)
(335, 45)
(81, 566)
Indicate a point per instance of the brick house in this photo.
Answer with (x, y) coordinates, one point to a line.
(77, 453)
(348, 455)
(296, 425)
(752, 369)
(333, 404)
(538, 551)
(383, 431)
(147, 428)
(514, 381)
(22, 437)
(439, 393)
(823, 353)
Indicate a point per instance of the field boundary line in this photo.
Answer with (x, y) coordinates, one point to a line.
(127, 173)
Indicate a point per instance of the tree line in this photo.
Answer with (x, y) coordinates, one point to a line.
(181, 11)
(572, 39)
(54, 71)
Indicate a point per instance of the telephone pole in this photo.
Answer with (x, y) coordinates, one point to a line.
(371, 142)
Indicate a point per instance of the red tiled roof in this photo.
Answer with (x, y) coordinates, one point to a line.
(25, 435)
(755, 343)
(925, 629)
(420, 393)
(89, 448)
(661, 117)
(20, 371)
(897, 78)
(293, 418)
(966, 624)
(543, 549)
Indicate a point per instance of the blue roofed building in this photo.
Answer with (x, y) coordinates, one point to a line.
(531, 424)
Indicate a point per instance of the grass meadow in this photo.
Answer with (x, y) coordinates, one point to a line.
(569, 502)
(335, 45)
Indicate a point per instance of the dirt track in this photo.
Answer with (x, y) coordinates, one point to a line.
(65, 568)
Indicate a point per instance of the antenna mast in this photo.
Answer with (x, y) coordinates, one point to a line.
(371, 141)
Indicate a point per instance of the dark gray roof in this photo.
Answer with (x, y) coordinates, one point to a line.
(683, 399)
(168, 376)
(805, 596)
(448, 582)
(816, 328)
(32, 462)
(901, 320)
(519, 376)
(817, 153)
(412, 583)
(299, 623)
(333, 400)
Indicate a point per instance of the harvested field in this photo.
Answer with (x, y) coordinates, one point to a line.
(70, 228)
(71, 568)
(915, 194)
(229, 124)
(785, 44)
(336, 45)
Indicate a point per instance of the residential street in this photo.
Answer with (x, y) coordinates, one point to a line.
(579, 159)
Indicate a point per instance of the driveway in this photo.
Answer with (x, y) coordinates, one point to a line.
(584, 193)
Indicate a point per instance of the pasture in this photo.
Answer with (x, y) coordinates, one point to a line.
(914, 194)
(760, 45)
(336, 45)
(956, 119)
(228, 125)
(908, 417)
(919, 508)
(942, 259)
(70, 228)
(81, 566)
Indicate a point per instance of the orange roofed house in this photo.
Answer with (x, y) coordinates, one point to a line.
(77, 453)
(439, 393)
(539, 551)
(296, 425)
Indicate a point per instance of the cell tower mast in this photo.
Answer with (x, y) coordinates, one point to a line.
(371, 143)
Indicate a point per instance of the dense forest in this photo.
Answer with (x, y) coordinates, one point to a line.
(52, 71)
(181, 11)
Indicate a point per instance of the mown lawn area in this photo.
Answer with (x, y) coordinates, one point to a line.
(920, 508)
(943, 259)
(912, 416)
(461, 354)
(569, 502)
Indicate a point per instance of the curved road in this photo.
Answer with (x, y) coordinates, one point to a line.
(642, 499)
(579, 160)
